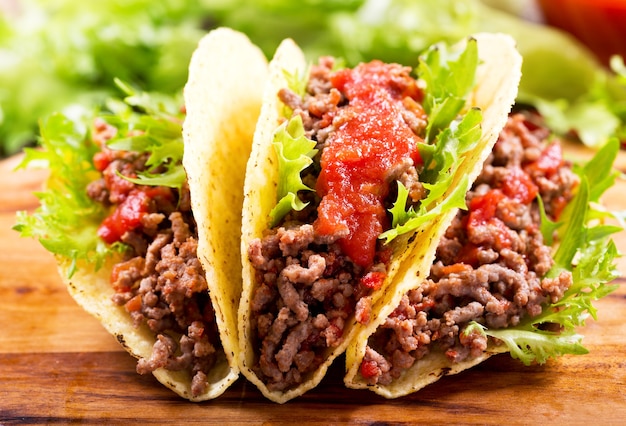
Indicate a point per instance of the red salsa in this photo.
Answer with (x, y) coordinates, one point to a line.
(517, 186)
(126, 217)
(371, 138)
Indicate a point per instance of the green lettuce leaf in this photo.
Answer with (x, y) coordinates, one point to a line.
(450, 133)
(547, 226)
(154, 122)
(67, 221)
(295, 153)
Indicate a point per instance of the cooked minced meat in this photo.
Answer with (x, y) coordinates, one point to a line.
(491, 263)
(306, 285)
(160, 282)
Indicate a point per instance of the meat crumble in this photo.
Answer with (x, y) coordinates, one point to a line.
(160, 281)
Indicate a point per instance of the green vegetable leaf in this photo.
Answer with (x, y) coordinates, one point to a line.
(572, 241)
(536, 345)
(296, 81)
(295, 153)
(547, 226)
(67, 221)
(410, 220)
(151, 123)
(441, 163)
(448, 78)
(600, 175)
(399, 213)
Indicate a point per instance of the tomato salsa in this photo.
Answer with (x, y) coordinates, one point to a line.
(370, 140)
(519, 187)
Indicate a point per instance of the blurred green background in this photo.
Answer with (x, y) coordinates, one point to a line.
(61, 55)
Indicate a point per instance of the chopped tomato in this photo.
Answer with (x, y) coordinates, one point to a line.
(369, 369)
(371, 139)
(456, 268)
(373, 280)
(126, 217)
(518, 186)
(134, 304)
(101, 160)
(483, 207)
(548, 163)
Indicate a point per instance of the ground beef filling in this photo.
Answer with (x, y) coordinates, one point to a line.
(161, 282)
(306, 287)
(489, 268)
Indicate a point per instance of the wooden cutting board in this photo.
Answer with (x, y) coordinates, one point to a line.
(58, 365)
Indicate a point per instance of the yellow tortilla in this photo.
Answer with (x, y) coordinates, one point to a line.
(497, 80)
(223, 101)
(498, 77)
(259, 199)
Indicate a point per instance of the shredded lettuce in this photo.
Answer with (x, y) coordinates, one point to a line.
(295, 153)
(67, 220)
(450, 133)
(448, 79)
(588, 253)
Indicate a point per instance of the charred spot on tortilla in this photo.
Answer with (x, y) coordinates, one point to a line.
(138, 266)
(444, 371)
(121, 340)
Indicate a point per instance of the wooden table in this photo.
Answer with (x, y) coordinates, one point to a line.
(58, 365)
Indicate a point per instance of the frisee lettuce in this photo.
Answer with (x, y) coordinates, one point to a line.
(67, 220)
(295, 153)
(448, 78)
(588, 253)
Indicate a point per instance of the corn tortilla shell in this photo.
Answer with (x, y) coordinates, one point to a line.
(223, 100)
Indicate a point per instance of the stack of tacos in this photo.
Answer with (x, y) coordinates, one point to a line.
(314, 210)
(334, 149)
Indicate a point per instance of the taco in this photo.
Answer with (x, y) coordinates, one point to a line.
(126, 213)
(497, 282)
(349, 170)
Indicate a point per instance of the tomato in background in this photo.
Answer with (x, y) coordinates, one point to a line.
(600, 24)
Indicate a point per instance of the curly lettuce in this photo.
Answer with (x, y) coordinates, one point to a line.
(450, 133)
(295, 153)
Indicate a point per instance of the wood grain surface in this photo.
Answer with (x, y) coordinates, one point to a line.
(58, 365)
